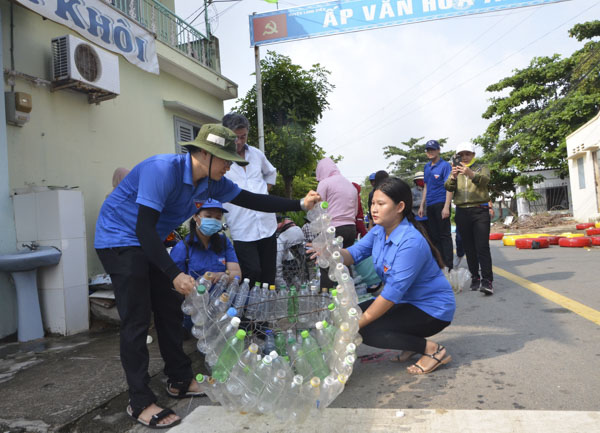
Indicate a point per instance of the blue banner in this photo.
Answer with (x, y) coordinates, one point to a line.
(344, 16)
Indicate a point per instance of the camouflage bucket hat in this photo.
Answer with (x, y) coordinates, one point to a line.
(217, 140)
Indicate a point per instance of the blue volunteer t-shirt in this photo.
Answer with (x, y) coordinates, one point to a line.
(203, 260)
(163, 183)
(435, 177)
(409, 272)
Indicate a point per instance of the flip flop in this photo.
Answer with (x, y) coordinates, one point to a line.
(445, 360)
(182, 393)
(156, 418)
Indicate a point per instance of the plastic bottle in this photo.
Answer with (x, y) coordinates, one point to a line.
(342, 338)
(211, 332)
(322, 338)
(308, 399)
(314, 355)
(271, 305)
(217, 346)
(233, 288)
(334, 315)
(281, 363)
(199, 315)
(345, 367)
(189, 304)
(301, 365)
(272, 392)
(353, 316)
(269, 342)
(282, 302)
(217, 307)
(317, 211)
(240, 300)
(331, 387)
(242, 370)
(220, 286)
(253, 300)
(280, 343)
(256, 383)
(229, 356)
(304, 304)
(314, 303)
(292, 305)
(204, 387)
(325, 301)
(262, 311)
(288, 401)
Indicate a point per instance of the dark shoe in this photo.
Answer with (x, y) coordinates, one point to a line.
(475, 283)
(486, 287)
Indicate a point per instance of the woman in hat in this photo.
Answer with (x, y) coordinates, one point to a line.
(155, 198)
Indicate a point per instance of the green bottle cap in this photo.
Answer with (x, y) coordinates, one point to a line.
(304, 334)
(331, 307)
(241, 334)
(324, 205)
(325, 324)
(201, 289)
(200, 378)
(334, 293)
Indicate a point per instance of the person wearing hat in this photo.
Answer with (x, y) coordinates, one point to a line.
(158, 195)
(253, 232)
(435, 203)
(417, 193)
(469, 183)
(205, 249)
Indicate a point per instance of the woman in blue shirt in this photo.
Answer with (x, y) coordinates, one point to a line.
(417, 300)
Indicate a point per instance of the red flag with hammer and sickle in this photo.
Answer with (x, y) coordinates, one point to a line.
(271, 27)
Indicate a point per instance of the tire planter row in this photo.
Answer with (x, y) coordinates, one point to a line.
(592, 232)
(577, 242)
(496, 236)
(532, 244)
(584, 226)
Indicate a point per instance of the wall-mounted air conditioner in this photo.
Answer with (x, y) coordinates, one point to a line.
(79, 65)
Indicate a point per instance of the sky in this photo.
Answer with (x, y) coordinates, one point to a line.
(391, 84)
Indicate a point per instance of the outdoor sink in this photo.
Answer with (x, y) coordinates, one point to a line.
(28, 260)
(23, 267)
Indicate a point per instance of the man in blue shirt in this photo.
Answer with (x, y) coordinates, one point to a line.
(435, 203)
(155, 198)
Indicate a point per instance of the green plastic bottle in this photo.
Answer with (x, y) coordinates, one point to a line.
(229, 356)
(293, 305)
(313, 354)
(280, 343)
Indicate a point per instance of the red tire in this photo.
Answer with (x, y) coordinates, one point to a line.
(532, 244)
(575, 242)
(596, 240)
(584, 226)
(553, 240)
(592, 232)
(496, 236)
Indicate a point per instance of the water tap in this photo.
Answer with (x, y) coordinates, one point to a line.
(32, 246)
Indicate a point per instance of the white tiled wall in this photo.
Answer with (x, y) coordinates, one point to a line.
(56, 218)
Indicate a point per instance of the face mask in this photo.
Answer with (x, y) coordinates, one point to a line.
(210, 226)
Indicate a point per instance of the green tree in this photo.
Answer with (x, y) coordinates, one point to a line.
(537, 108)
(294, 100)
(411, 157)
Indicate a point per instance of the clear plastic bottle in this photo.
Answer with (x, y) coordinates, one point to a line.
(342, 338)
(280, 343)
(263, 307)
(331, 387)
(240, 300)
(308, 400)
(271, 313)
(220, 286)
(325, 301)
(282, 302)
(253, 302)
(189, 304)
(301, 365)
(272, 392)
(353, 316)
(256, 383)
(322, 338)
(317, 211)
(334, 315)
(281, 363)
(314, 303)
(217, 307)
(345, 367)
(205, 387)
(304, 304)
(269, 341)
(314, 355)
(287, 403)
(233, 288)
(242, 370)
(217, 346)
(199, 315)
(212, 332)
(229, 356)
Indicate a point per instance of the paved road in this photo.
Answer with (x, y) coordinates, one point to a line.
(513, 353)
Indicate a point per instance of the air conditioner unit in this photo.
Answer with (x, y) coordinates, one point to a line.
(79, 65)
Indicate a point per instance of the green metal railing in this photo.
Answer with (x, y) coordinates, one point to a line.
(171, 30)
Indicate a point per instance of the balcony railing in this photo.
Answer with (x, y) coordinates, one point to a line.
(172, 30)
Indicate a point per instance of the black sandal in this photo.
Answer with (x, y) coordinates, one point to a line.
(156, 418)
(439, 362)
(181, 390)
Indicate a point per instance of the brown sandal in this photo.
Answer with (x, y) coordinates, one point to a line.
(445, 360)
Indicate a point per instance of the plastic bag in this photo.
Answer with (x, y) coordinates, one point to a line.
(458, 278)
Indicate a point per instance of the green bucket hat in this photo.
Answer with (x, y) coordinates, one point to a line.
(217, 140)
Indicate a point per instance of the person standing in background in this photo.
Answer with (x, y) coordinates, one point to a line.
(341, 195)
(360, 222)
(469, 183)
(417, 193)
(435, 203)
(253, 232)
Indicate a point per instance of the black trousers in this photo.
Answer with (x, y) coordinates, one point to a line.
(474, 226)
(141, 289)
(258, 259)
(402, 327)
(348, 233)
(439, 232)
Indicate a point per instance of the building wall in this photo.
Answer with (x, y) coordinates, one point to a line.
(551, 180)
(584, 145)
(70, 142)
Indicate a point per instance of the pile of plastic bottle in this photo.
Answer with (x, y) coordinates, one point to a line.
(298, 345)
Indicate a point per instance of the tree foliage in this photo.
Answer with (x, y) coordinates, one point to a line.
(411, 157)
(294, 100)
(537, 108)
